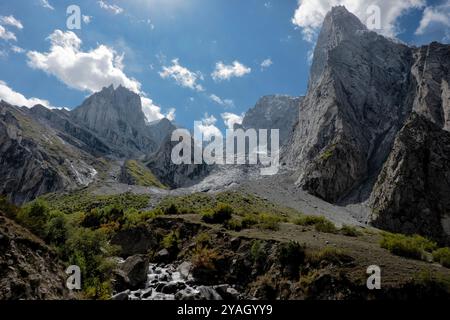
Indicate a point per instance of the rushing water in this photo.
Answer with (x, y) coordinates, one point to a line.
(171, 282)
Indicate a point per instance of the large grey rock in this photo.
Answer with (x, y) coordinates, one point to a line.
(132, 273)
(412, 192)
(35, 160)
(359, 95)
(274, 112)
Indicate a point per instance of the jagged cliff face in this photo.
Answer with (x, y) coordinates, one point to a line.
(274, 112)
(412, 192)
(431, 71)
(116, 116)
(174, 175)
(359, 95)
(34, 160)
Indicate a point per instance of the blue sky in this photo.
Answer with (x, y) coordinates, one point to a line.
(168, 50)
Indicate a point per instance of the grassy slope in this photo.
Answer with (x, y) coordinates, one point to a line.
(141, 175)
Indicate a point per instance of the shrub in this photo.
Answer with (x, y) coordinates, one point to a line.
(35, 217)
(204, 259)
(90, 250)
(171, 210)
(134, 218)
(257, 251)
(234, 224)
(309, 220)
(171, 242)
(249, 221)
(221, 214)
(442, 256)
(330, 255)
(269, 222)
(56, 229)
(350, 231)
(326, 227)
(8, 209)
(203, 240)
(291, 253)
(407, 246)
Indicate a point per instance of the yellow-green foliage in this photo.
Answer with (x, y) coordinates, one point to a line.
(407, 246)
(321, 224)
(221, 214)
(329, 255)
(134, 218)
(442, 256)
(205, 258)
(84, 202)
(171, 241)
(141, 175)
(241, 203)
(350, 231)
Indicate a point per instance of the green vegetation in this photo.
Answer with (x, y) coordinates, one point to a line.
(204, 259)
(291, 254)
(221, 214)
(413, 247)
(257, 251)
(241, 203)
(326, 155)
(141, 175)
(172, 241)
(350, 231)
(79, 227)
(442, 256)
(329, 255)
(321, 224)
(83, 201)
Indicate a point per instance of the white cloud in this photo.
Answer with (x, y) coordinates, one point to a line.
(223, 102)
(7, 35)
(87, 19)
(311, 13)
(17, 49)
(182, 76)
(11, 21)
(207, 127)
(266, 64)
(434, 16)
(112, 8)
(47, 5)
(87, 70)
(230, 119)
(153, 112)
(17, 99)
(226, 72)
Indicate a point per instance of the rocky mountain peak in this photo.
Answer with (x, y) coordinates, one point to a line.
(339, 25)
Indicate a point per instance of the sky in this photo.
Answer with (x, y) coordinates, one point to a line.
(190, 60)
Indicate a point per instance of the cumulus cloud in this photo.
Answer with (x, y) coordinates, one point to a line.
(226, 72)
(47, 5)
(230, 119)
(207, 127)
(266, 64)
(87, 70)
(112, 8)
(223, 102)
(11, 21)
(153, 112)
(434, 16)
(310, 13)
(7, 35)
(182, 76)
(17, 99)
